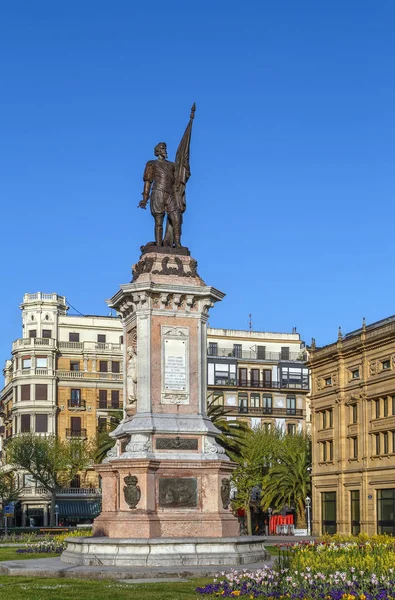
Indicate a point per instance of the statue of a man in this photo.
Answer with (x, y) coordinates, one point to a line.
(160, 174)
(132, 374)
(164, 186)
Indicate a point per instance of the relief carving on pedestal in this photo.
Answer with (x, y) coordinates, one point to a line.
(178, 492)
(211, 447)
(225, 492)
(131, 491)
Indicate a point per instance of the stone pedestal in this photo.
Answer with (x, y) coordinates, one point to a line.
(166, 476)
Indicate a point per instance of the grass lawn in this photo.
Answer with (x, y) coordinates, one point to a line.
(32, 588)
(12, 554)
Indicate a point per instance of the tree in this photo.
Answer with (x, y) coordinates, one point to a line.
(51, 461)
(260, 450)
(288, 480)
(104, 442)
(9, 490)
(232, 433)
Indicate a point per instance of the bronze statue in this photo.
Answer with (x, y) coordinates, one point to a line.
(164, 185)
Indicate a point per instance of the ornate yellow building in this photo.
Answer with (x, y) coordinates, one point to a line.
(353, 431)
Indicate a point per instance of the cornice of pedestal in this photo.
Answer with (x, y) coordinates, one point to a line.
(164, 298)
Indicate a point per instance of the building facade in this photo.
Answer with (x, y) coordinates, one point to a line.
(353, 431)
(64, 378)
(260, 377)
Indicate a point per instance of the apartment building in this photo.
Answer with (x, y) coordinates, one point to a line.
(353, 431)
(259, 377)
(65, 375)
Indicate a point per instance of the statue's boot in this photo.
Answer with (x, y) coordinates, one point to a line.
(177, 235)
(158, 235)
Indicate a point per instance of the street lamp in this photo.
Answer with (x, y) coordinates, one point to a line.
(308, 508)
(269, 510)
(56, 515)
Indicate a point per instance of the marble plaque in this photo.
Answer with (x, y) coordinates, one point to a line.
(178, 492)
(175, 365)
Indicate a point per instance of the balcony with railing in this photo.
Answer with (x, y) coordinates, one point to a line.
(269, 411)
(33, 372)
(33, 343)
(74, 404)
(34, 492)
(256, 354)
(110, 405)
(79, 492)
(107, 348)
(76, 433)
(89, 375)
(259, 384)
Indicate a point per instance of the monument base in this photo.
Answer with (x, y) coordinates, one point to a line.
(166, 498)
(164, 552)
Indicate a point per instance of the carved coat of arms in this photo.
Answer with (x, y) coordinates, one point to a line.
(131, 491)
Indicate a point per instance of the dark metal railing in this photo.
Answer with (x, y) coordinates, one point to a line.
(257, 384)
(74, 403)
(76, 433)
(276, 412)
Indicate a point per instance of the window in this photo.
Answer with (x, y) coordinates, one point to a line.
(121, 339)
(291, 405)
(75, 423)
(355, 374)
(328, 381)
(25, 392)
(237, 350)
(324, 419)
(74, 365)
(294, 377)
(377, 444)
(46, 333)
(212, 349)
(26, 362)
(25, 423)
(385, 365)
(242, 376)
(385, 406)
(267, 427)
(41, 423)
(243, 403)
(114, 398)
(74, 337)
(330, 414)
(354, 413)
(33, 333)
(386, 511)
(267, 378)
(75, 398)
(41, 362)
(393, 442)
(75, 482)
(102, 423)
(103, 366)
(355, 512)
(324, 452)
(261, 352)
(41, 392)
(102, 398)
(291, 428)
(255, 400)
(115, 366)
(101, 338)
(328, 509)
(377, 408)
(222, 373)
(284, 354)
(330, 450)
(393, 405)
(354, 447)
(254, 377)
(385, 442)
(267, 403)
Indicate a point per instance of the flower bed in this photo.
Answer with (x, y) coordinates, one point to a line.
(356, 569)
(53, 546)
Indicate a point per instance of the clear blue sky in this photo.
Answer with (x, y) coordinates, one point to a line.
(291, 201)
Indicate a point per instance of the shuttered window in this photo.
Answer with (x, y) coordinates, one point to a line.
(115, 398)
(25, 392)
(25, 423)
(41, 423)
(102, 398)
(41, 391)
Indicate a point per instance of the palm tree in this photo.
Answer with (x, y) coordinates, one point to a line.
(104, 442)
(232, 433)
(288, 479)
